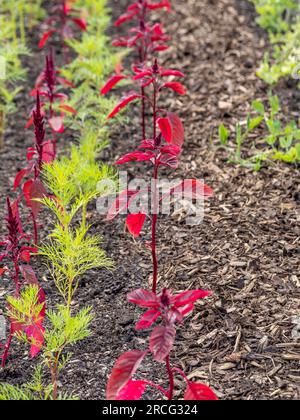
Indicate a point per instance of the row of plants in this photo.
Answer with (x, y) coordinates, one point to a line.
(280, 19)
(162, 138)
(265, 136)
(66, 185)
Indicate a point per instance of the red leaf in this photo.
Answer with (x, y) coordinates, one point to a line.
(31, 152)
(126, 17)
(147, 144)
(161, 342)
(169, 160)
(112, 82)
(67, 108)
(142, 74)
(35, 335)
(35, 331)
(143, 298)
(177, 129)
(123, 370)
(81, 23)
(135, 223)
(148, 319)
(65, 82)
(45, 37)
(135, 157)
(48, 155)
(19, 177)
(171, 150)
(132, 391)
(148, 82)
(124, 102)
(175, 86)
(189, 297)
(57, 124)
(16, 213)
(166, 129)
(200, 392)
(175, 73)
(192, 188)
(160, 5)
(121, 203)
(29, 123)
(160, 48)
(185, 310)
(25, 256)
(28, 274)
(2, 271)
(32, 190)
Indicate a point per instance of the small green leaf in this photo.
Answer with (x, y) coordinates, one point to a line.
(223, 134)
(255, 122)
(274, 104)
(258, 106)
(270, 140)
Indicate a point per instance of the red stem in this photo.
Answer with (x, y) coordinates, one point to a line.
(143, 113)
(171, 378)
(175, 369)
(35, 228)
(158, 387)
(154, 227)
(6, 351)
(16, 277)
(155, 205)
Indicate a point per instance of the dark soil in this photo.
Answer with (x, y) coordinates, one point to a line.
(242, 341)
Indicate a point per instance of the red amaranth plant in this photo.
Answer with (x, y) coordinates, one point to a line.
(144, 37)
(154, 78)
(42, 152)
(155, 151)
(63, 17)
(162, 150)
(17, 255)
(171, 310)
(54, 108)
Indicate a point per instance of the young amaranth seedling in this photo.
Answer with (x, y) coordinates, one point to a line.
(37, 156)
(145, 38)
(17, 256)
(48, 85)
(171, 309)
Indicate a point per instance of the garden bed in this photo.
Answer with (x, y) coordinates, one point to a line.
(246, 251)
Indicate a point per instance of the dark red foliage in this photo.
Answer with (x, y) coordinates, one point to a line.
(16, 252)
(147, 38)
(14, 244)
(160, 149)
(48, 87)
(43, 152)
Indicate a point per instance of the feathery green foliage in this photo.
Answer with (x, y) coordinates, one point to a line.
(70, 253)
(94, 61)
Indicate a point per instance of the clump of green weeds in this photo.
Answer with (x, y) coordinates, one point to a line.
(282, 142)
